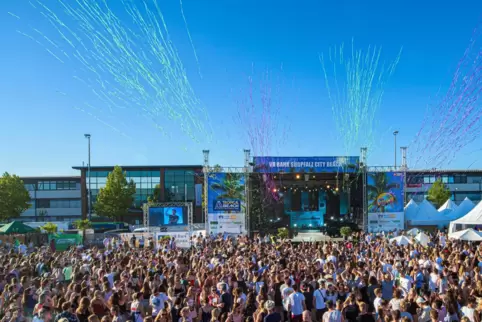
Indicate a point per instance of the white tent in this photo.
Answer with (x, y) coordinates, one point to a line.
(410, 210)
(464, 208)
(423, 239)
(447, 207)
(472, 219)
(427, 215)
(413, 232)
(401, 241)
(467, 235)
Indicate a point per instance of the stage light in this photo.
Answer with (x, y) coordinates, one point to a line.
(314, 176)
(310, 225)
(328, 186)
(279, 218)
(332, 218)
(274, 177)
(274, 190)
(297, 176)
(295, 225)
(336, 189)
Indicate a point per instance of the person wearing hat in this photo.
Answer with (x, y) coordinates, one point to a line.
(424, 311)
(272, 315)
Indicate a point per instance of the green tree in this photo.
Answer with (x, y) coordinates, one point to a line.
(345, 231)
(83, 225)
(50, 228)
(283, 233)
(156, 195)
(115, 199)
(438, 193)
(14, 198)
(217, 168)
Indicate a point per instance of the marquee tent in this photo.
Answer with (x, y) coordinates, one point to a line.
(447, 207)
(413, 232)
(470, 220)
(401, 241)
(423, 239)
(410, 210)
(464, 208)
(427, 215)
(467, 235)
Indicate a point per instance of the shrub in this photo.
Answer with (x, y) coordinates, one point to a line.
(345, 231)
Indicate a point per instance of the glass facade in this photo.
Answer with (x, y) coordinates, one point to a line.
(177, 183)
(145, 182)
(57, 203)
(58, 185)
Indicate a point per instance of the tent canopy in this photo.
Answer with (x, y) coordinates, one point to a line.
(401, 241)
(463, 209)
(16, 227)
(426, 211)
(448, 205)
(423, 239)
(413, 232)
(410, 210)
(474, 217)
(467, 235)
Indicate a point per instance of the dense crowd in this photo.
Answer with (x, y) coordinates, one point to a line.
(220, 279)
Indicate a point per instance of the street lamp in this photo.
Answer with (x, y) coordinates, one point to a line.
(89, 196)
(395, 133)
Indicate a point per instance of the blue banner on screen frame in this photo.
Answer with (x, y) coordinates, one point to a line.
(385, 192)
(227, 205)
(226, 188)
(198, 189)
(306, 164)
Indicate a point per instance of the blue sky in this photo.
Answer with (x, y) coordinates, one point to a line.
(42, 131)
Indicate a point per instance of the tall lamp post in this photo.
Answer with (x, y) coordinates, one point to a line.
(89, 194)
(395, 133)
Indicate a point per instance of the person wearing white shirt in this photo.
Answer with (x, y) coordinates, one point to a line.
(424, 315)
(296, 305)
(332, 315)
(469, 309)
(377, 303)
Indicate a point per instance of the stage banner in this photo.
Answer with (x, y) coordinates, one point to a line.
(64, 241)
(233, 223)
(226, 196)
(386, 221)
(385, 192)
(198, 190)
(306, 164)
(182, 238)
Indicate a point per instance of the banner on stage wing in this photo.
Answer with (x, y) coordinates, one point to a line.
(182, 238)
(233, 223)
(385, 192)
(385, 221)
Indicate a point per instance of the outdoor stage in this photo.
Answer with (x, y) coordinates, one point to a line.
(312, 189)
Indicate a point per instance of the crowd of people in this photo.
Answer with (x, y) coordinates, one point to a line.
(238, 279)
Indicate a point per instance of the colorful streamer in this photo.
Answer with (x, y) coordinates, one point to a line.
(454, 121)
(355, 83)
(122, 52)
(258, 114)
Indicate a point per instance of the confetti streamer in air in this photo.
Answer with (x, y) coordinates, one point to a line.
(355, 83)
(190, 39)
(122, 52)
(259, 114)
(454, 121)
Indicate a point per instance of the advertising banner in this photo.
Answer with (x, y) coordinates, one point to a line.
(198, 194)
(181, 238)
(226, 203)
(387, 221)
(64, 241)
(306, 164)
(385, 192)
(233, 223)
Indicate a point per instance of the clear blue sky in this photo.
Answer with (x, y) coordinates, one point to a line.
(41, 132)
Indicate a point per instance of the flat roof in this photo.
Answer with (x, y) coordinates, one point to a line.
(137, 167)
(50, 177)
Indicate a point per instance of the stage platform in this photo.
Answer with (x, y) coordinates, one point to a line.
(311, 237)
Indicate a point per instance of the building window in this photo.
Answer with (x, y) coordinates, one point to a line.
(177, 183)
(58, 185)
(460, 178)
(43, 203)
(30, 186)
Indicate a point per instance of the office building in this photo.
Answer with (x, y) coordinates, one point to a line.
(462, 184)
(176, 184)
(53, 199)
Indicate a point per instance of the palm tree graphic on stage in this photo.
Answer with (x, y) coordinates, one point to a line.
(379, 192)
(230, 187)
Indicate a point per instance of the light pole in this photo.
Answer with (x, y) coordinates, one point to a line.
(395, 139)
(89, 194)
